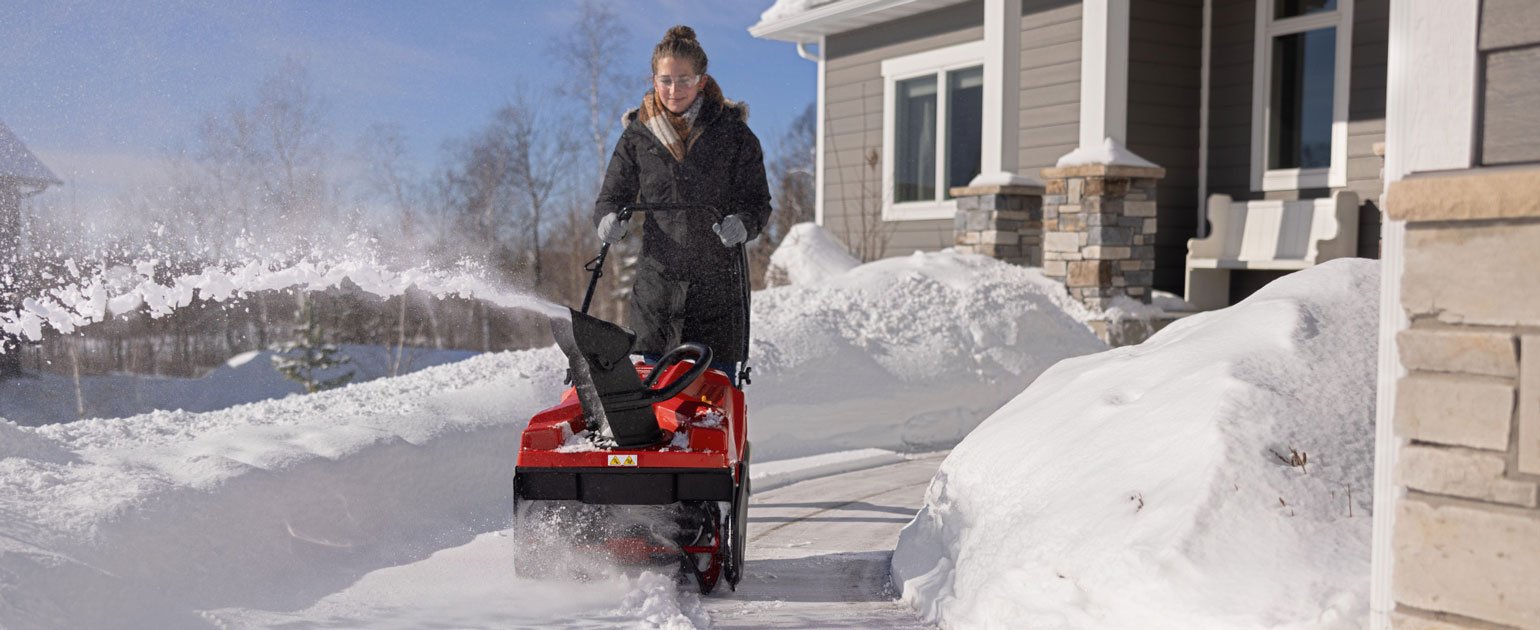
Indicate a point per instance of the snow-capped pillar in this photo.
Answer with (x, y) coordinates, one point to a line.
(1099, 229)
(1103, 72)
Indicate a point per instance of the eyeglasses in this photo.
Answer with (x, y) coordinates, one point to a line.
(684, 83)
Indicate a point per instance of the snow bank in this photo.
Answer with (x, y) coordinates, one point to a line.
(807, 255)
(904, 354)
(168, 518)
(245, 378)
(1151, 487)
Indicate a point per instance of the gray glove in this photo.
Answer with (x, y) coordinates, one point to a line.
(612, 229)
(731, 230)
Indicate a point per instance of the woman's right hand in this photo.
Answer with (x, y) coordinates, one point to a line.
(612, 229)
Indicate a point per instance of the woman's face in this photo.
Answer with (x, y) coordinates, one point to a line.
(682, 83)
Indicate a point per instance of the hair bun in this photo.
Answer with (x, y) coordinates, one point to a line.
(680, 32)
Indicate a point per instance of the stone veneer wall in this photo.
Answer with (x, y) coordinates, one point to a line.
(1099, 231)
(1466, 541)
(1004, 222)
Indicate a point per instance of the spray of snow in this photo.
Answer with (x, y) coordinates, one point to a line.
(94, 294)
(1218, 475)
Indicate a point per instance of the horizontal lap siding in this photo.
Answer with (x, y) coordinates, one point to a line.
(853, 122)
(1165, 57)
(1049, 123)
(1509, 128)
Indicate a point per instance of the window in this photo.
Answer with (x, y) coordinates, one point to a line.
(933, 126)
(1300, 94)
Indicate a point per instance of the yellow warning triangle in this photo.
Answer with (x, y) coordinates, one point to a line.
(630, 461)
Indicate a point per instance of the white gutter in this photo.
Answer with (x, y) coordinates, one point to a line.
(818, 161)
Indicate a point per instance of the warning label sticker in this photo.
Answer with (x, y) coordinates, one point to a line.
(622, 460)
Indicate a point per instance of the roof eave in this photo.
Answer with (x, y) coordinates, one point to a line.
(839, 17)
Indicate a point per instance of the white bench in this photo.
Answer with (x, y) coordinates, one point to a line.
(1267, 234)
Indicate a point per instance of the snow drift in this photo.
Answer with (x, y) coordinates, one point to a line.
(1154, 486)
(905, 354)
(166, 519)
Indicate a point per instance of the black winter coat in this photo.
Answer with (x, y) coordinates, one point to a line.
(686, 288)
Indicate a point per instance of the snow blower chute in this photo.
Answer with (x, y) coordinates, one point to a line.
(641, 464)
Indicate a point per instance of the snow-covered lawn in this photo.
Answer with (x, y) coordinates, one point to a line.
(1155, 486)
(153, 520)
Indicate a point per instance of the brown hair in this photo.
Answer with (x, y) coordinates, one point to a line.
(680, 43)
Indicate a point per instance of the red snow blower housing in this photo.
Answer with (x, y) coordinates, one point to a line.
(641, 464)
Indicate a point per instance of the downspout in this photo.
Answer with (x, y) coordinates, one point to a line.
(1203, 95)
(802, 52)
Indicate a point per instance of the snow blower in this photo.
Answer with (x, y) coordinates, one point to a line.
(638, 464)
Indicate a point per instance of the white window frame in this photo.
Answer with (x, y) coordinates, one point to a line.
(1268, 28)
(935, 62)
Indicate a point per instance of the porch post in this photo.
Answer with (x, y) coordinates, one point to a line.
(1002, 96)
(1104, 72)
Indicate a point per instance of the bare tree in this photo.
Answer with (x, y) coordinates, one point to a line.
(590, 50)
(791, 174)
(289, 118)
(540, 159)
(864, 230)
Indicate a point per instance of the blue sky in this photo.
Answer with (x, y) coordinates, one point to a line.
(100, 90)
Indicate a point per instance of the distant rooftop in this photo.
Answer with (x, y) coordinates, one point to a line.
(17, 163)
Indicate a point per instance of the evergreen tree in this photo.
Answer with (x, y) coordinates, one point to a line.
(309, 354)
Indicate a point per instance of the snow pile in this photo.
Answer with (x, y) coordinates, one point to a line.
(808, 254)
(1152, 486)
(1110, 152)
(246, 378)
(905, 354)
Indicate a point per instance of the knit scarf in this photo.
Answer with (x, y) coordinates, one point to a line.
(678, 131)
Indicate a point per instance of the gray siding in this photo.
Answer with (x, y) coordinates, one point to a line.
(1165, 57)
(1509, 131)
(853, 122)
(1049, 124)
(1048, 120)
(1229, 158)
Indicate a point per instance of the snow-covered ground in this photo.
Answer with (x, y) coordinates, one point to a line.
(245, 378)
(165, 519)
(1144, 487)
(1155, 486)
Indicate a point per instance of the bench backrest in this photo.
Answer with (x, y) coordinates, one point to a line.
(1308, 230)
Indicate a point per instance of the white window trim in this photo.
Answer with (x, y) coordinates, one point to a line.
(1334, 176)
(930, 62)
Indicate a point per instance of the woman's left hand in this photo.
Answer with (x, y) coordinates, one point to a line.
(731, 230)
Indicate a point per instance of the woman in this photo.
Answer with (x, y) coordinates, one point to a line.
(686, 144)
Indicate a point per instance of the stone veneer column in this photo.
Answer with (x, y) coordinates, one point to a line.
(1099, 231)
(1004, 222)
(1466, 541)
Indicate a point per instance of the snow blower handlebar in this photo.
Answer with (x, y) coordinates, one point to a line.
(596, 266)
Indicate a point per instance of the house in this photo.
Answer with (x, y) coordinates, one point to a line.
(943, 123)
(21, 176)
(1431, 109)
